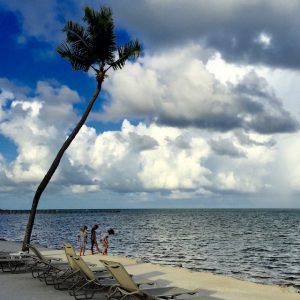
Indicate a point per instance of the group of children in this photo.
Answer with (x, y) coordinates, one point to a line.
(82, 238)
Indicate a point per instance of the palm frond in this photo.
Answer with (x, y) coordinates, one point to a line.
(95, 43)
(101, 29)
(97, 18)
(78, 48)
(77, 37)
(131, 49)
(79, 60)
(74, 31)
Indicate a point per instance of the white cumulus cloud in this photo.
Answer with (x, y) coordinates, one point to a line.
(144, 158)
(177, 89)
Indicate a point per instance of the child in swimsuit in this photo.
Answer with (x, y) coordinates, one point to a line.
(104, 240)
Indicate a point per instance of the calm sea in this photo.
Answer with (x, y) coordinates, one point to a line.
(257, 245)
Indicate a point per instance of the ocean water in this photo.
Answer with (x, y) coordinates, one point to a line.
(257, 245)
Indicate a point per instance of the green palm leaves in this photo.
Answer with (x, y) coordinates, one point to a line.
(95, 45)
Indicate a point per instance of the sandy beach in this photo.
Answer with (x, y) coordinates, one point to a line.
(215, 287)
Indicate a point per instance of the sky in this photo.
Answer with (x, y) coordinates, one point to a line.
(207, 117)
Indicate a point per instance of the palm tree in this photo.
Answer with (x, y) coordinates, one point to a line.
(93, 46)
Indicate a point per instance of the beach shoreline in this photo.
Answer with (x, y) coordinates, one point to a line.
(208, 284)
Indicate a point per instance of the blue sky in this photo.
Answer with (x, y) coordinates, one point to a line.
(208, 116)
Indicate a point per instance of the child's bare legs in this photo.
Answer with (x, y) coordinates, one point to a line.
(94, 243)
(97, 246)
(82, 249)
(105, 247)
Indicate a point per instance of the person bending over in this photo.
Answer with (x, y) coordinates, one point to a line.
(104, 240)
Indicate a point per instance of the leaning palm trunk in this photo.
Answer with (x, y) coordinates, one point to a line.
(54, 166)
(86, 48)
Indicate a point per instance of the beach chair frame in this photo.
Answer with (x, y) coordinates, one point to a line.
(16, 264)
(127, 287)
(91, 284)
(47, 268)
(74, 276)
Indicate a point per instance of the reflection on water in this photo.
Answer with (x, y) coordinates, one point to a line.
(256, 245)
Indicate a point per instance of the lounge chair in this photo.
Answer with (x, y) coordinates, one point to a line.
(42, 257)
(73, 275)
(70, 251)
(100, 272)
(91, 284)
(47, 268)
(95, 281)
(128, 288)
(16, 264)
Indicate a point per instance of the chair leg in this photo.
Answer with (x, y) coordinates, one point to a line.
(87, 290)
(112, 291)
(75, 285)
(66, 279)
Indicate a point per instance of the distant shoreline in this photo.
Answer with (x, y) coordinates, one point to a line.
(118, 210)
(58, 211)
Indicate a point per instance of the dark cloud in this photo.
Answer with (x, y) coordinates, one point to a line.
(257, 109)
(263, 111)
(265, 124)
(142, 142)
(6, 182)
(256, 32)
(260, 32)
(194, 98)
(220, 122)
(227, 148)
(181, 142)
(73, 174)
(245, 140)
(254, 107)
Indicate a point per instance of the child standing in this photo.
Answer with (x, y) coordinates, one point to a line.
(104, 240)
(94, 239)
(82, 239)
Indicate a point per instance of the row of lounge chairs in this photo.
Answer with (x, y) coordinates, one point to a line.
(83, 280)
